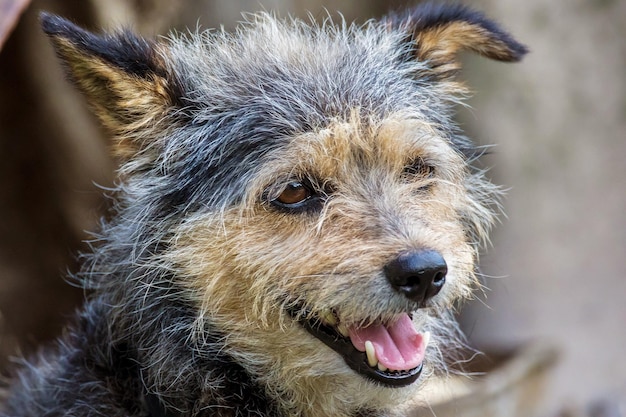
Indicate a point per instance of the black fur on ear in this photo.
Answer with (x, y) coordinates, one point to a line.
(125, 50)
(440, 30)
(124, 77)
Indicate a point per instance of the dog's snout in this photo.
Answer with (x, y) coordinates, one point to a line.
(418, 275)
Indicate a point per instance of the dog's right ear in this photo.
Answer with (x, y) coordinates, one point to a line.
(124, 77)
(439, 31)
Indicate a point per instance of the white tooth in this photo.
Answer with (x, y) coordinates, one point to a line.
(426, 339)
(382, 367)
(370, 351)
(343, 330)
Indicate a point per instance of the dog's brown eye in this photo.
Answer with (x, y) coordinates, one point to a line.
(300, 196)
(294, 193)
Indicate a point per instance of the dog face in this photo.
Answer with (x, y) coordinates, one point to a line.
(303, 263)
(308, 186)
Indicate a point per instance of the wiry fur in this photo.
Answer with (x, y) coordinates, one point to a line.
(191, 279)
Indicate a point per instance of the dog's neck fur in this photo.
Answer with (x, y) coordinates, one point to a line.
(218, 386)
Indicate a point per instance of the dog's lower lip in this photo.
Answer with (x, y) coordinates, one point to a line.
(355, 359)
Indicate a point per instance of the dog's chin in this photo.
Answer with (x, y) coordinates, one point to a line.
(361, 355)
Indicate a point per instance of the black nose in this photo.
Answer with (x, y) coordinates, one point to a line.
(418, 275)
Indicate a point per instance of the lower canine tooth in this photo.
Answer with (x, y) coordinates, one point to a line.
(426, 339)
(382, 367)
(371, 354)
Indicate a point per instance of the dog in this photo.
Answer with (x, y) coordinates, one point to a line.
(296, 216)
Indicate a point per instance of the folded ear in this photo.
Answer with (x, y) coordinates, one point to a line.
(123, 76)
(439, 31)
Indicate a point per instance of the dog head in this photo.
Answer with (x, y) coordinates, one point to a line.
(307, 188)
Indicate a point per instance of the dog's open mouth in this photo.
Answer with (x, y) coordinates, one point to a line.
(391, 354)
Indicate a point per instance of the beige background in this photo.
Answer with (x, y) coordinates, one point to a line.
(560, 122)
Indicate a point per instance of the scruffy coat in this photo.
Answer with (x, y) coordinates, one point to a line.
(196, 121)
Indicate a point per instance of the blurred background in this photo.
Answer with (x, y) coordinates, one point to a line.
(556, 274)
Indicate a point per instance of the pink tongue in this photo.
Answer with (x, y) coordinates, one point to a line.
(398, 346)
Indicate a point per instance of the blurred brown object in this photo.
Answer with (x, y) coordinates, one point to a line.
(497, 384)
(10, 11)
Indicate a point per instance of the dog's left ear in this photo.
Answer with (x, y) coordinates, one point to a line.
(123, 76)
(440, 31)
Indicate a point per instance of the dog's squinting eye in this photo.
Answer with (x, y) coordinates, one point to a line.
(419, 172)
(293, 196)
(418, 168)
